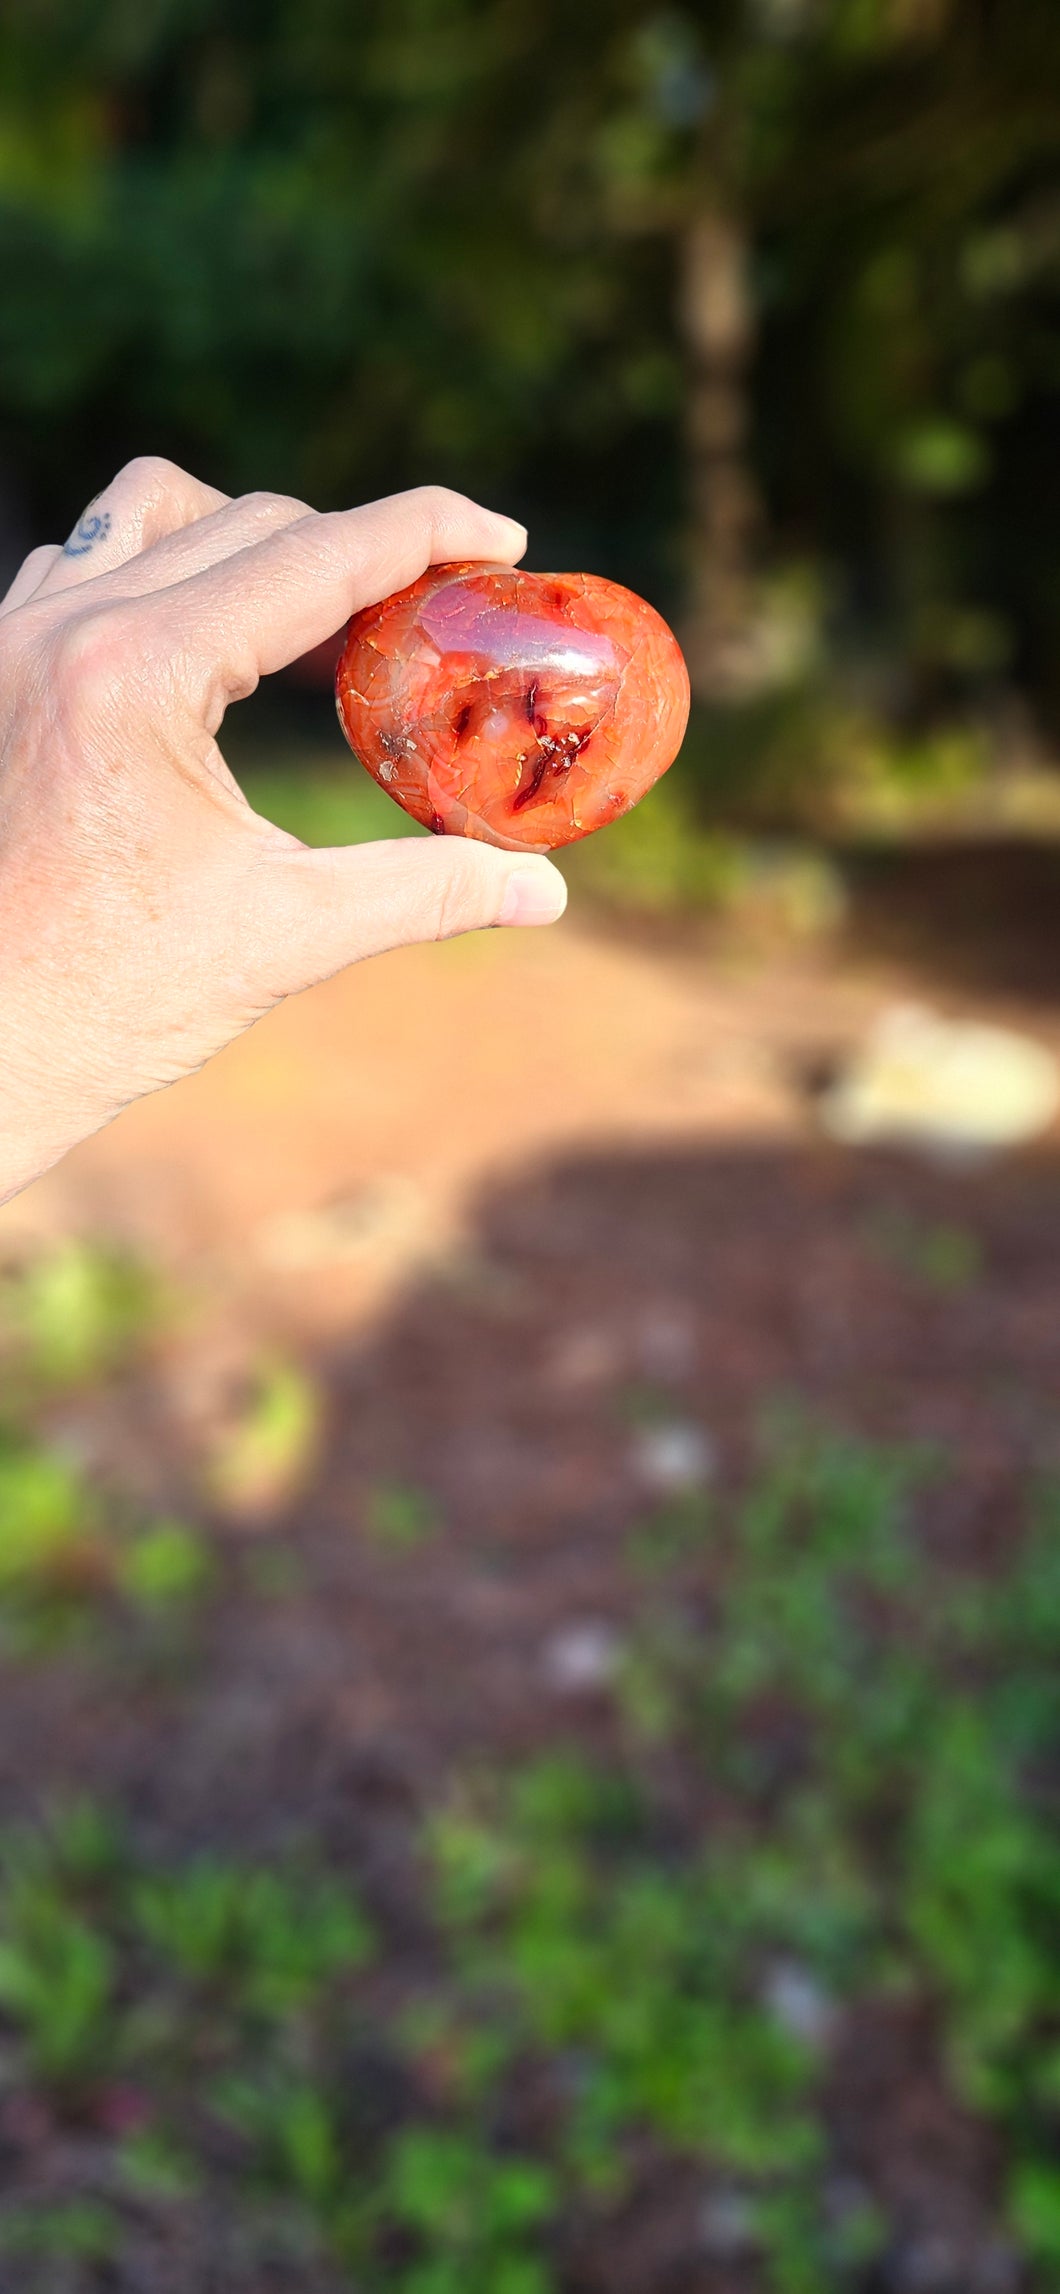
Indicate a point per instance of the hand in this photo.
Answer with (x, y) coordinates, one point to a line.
(147, 914)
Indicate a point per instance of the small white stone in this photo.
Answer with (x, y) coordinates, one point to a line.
(727, 2225)
(581, 1657)
(673, 1458)
(953, 1088)
(933, 2264)
(799, 2003)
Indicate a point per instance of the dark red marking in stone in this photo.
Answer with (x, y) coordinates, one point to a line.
(437, 686)
(526, 795)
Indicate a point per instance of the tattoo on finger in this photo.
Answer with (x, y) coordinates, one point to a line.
(91, 527)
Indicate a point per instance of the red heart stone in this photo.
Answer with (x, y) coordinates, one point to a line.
(523, 709)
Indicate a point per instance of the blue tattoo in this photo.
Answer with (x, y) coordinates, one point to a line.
(86, 534)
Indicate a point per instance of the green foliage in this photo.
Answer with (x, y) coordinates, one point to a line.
(216, 1976)
(67, 1545)
(658, 859)
(55, 1980)
(983, 1893)
(803, 755)
(74, 1315)
(291, 2128)
(57, 1963)
(46, 1512)
(79, 2231)
(71, 1318)
(270, 1447)
(324, 807)
(270, 1940)
(881, 1827)
(472, 2213)
(867, 1741)
(164, 1566)
(1036, 2212)
(944, 1257)
(336, 253)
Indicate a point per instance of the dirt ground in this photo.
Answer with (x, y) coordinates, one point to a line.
(487, 1192)
(345, 1141)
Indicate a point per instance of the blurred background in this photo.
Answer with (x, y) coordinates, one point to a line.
(530, 1490)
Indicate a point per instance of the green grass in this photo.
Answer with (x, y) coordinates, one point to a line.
(72, 1320)
(326, 803)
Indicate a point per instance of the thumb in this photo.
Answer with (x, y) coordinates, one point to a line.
(329, 908)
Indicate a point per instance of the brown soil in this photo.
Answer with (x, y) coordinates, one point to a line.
(489, 1191)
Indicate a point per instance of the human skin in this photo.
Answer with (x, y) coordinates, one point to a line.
(147, 914)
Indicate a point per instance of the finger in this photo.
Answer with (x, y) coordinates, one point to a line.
(206, 542)
(260, 609)
(148, 498)
(30, 574)
(319, 910)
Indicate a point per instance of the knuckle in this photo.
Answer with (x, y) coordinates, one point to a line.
(40, 560)
(437, 503)
(268, 508)
(327, 538)
(29, 576)
(91, 651)
(148, 476)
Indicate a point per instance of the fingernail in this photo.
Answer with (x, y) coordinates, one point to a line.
(533, 896)
(516, 535)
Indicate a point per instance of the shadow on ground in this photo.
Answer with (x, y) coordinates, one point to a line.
(597, 1297)
(449, 1588)
(979, 918)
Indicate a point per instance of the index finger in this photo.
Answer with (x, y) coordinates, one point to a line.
(259, 609)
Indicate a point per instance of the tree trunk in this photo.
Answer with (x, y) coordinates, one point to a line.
(717, 324)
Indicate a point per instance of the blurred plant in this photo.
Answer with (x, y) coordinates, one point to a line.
(164, 1566)
(881, 1828)
(399, 1516)
(74, 1315)
(269, 1448)
(272, 1941)
(58, 1967)
(945, 1257)
(78, 2231)
(471, 2213)
(48, 1521)
(342, 806)
(625, 1977)
(658, 860)
(68, 1544)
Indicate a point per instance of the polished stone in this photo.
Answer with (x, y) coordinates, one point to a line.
(523, 709)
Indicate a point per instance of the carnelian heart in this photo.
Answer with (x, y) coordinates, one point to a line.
(523, 709)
